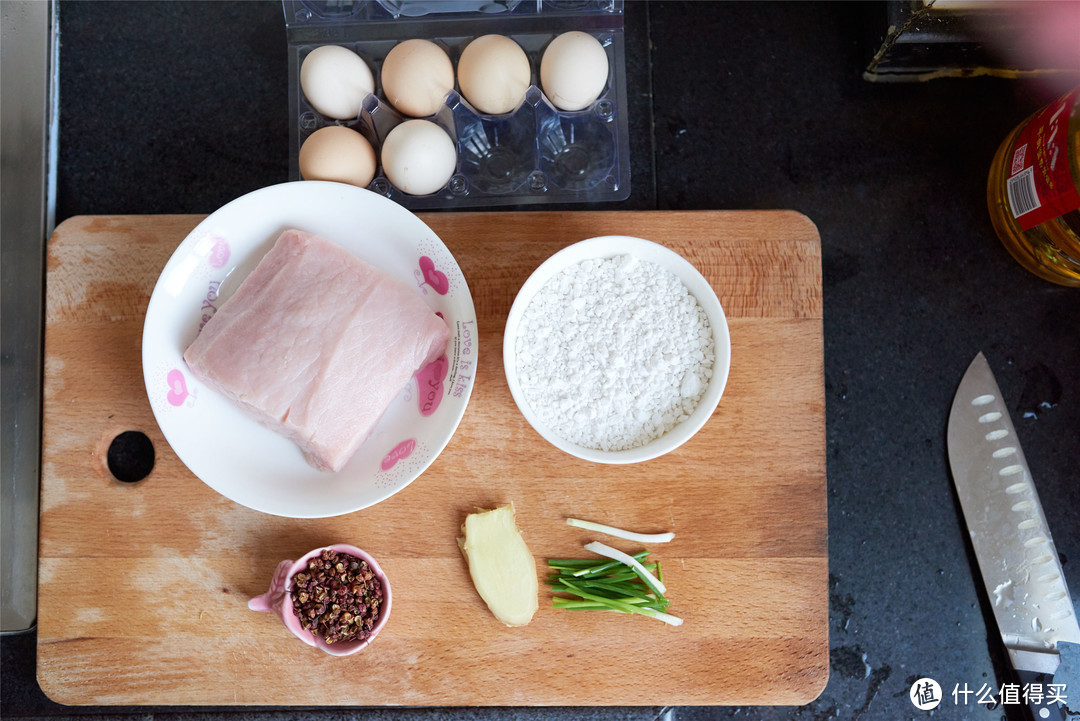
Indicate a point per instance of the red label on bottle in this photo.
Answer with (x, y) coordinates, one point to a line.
(1040, 186)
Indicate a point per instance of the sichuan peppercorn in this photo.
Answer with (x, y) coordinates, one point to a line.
(338, 598)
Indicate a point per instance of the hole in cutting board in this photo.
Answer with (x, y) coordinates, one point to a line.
(130, 457)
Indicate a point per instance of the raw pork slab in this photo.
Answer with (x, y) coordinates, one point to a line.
(315, 344)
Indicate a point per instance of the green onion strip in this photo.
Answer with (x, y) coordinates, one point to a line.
(610, 586)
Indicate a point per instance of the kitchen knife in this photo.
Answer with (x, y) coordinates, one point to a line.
(1017, 558)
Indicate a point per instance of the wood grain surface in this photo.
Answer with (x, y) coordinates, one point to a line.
(144, 586)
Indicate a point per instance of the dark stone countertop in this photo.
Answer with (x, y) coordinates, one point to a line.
(179, 107)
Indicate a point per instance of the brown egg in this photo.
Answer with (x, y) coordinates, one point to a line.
(338, 153)
(493, 74)
(416, 76)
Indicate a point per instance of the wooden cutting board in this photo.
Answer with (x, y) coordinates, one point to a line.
(144, 586)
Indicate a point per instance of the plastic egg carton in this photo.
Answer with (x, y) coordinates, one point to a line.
(534, 154)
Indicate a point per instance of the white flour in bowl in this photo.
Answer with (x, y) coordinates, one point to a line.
(613, 353)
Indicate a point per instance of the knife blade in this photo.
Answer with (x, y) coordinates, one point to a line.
(1017, 558)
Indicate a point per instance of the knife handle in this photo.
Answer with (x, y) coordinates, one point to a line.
(1042, 711)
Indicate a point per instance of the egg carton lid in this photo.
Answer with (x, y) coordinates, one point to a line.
(316, 20)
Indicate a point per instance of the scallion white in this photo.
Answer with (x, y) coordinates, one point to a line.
(620, 533)
(617, 555)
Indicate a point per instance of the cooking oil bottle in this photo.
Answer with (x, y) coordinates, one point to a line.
(1034, 191)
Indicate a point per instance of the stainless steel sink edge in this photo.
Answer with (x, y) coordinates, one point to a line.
(28, 135)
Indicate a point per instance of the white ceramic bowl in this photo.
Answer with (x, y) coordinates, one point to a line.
(227, 449)
(606, 247)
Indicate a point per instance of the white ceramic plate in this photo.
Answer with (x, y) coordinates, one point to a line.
(606, 247)
(227, 449)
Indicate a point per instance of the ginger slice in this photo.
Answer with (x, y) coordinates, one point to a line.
(500, 564)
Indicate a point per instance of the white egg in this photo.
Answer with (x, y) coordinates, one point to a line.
(338, 153)
(335, 80)
(493, 74)
(416, 76)
(574, 70)
(419, 157)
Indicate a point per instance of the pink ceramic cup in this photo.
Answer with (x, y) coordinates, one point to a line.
(279, 600)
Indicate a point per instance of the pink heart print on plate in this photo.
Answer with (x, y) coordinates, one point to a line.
(435, 278)
(400, 452)
(178, 391)
(219, 253)
(429, 381)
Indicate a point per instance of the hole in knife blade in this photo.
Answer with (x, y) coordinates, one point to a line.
(1061, 615)
(1011, 470)
(1048, 578)
(1016, 488)
(989, 417)
(1024, 506)
(1003, 452)
(982, 400)
(1029, 523)
(1055, 596)
(1042, 560)
(1033, 542)
(996, 435)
